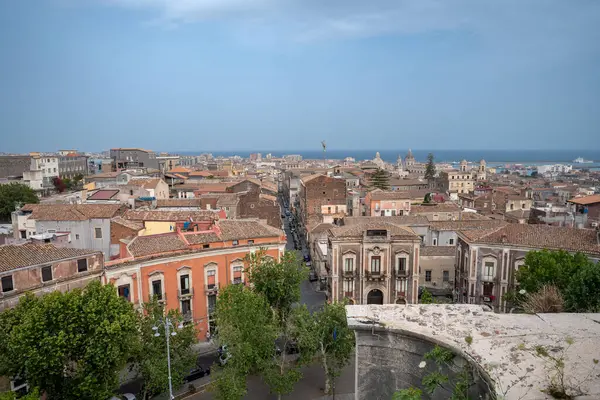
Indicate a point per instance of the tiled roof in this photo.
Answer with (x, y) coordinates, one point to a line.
(472, 216)
(103, 194)
(103, 175)
(201, 237)
(157, 215)
(464, 225)
(309, 178)
(398, 220)
(438, 251)
(179, 169)
(443, 207)
(178, 203)
(586, 200)
(542, 237)
(156, 244)
(131, 224)
(18, 256)
(268, 197)
(73, 212)
(232, 229)
(357, 230)
(392, 195)
(146, 183)
(321, 228)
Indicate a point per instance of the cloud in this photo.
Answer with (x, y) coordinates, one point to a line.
(547, 26)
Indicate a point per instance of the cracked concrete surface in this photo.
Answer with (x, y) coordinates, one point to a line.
(503, 345)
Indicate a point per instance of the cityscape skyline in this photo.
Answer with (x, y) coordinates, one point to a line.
(97, 74)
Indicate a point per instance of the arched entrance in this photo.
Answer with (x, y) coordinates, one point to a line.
(375, 296)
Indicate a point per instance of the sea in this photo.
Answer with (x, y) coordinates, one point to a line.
(492, 157)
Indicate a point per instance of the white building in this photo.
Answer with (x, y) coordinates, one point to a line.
(42, 172)
(554, 169)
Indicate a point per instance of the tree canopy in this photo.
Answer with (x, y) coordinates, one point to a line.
(14, 194)
(380, 180)
(69, 345)
(575, 276)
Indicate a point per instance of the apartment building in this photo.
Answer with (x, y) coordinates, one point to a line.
(124, 158)
(321, 195)
(487, 260)
(386, 204)
(71, 164)
(373, 261)
(186, 270)
(44, 268)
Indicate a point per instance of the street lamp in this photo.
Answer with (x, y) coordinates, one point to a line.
(168, 325)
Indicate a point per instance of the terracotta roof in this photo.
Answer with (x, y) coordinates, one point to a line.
(542, 237)
(103, 175)
(471, 216)
(232, 229)
(391, 195)
(103, 194)
(398, 220)
(309, 178)
(586, 200)
(174, 216)
(179, 169)
(357, 230)
(323, 227)
(146, 183)
(74, 212)
(19, 256)
(443, 207)
(203, 173)
(201, 237)
(210, 187)
(466, 225)
(178, 203)
(268, 197)
(155, 244)
(438, 251)
(131, 224)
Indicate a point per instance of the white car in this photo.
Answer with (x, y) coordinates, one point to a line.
(126, 396)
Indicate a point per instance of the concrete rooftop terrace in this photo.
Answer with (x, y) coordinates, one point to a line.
(503, 345)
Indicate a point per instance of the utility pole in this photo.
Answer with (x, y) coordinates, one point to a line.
(166, 322)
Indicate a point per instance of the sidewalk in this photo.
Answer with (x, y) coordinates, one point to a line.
(202, 348)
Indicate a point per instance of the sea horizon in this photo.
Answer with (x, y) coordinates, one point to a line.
(490, 156)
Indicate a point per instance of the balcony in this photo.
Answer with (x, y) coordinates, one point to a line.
(160, 297)
(375, 276)
(184, 293)
(212, 288)
(401, 273)
(349, 274)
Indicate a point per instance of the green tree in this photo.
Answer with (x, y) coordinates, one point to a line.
(574, 275)
(151, 360)
(326, 334)
(380, 180)
(13, 195)
(279, 283)
(69, 345)
(248, 327)
(33, 394)
(426, 297)
(427, 199)
(430, 169)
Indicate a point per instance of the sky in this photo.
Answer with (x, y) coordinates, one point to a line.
(218, 75)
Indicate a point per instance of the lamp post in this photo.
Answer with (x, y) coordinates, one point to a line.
(168, 325)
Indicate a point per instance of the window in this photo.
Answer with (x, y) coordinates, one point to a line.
(446, 277)
(435, 242)
(512, 206)
(401, 264)
(450, 242)
(376, 264)
(212, 303)
(523, 205)
(349, 264)
(46, 274)
(184, 284)
(186, 308)
(235, 242)
(488, 270)
(250, 241)
(348, 288)
(82, 265)
(77, 236)
(157, 289)
(23, 234)
(237, 274)
(131, 192)
(7, 284)
(124, 291)
(210, 279)
(328, 210)
(98, 232)
(206, 246)
(428, 275)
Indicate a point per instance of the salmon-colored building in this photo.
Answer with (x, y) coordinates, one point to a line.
(186, 270)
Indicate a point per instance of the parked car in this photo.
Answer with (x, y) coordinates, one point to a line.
(287, 212)
(197, 373)
(126, 396)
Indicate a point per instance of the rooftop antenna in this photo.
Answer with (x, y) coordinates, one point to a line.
(324, 145)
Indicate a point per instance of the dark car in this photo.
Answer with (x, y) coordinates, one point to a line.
(197, 373)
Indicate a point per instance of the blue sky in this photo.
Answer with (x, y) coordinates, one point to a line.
(285, 74)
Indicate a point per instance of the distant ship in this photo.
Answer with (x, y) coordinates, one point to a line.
(580, 160)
